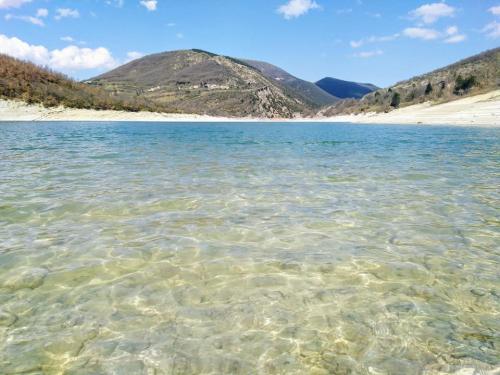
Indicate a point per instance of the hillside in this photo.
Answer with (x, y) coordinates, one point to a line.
(472, 76)
(308, 91)
(32, 84)
(199, 82)
(345, 89)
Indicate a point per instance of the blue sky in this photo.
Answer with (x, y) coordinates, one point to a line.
(377, 41)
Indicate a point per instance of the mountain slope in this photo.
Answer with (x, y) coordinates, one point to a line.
(475, 75)
(200, 82)
(308, 91)
(345, 89)
(32, 84)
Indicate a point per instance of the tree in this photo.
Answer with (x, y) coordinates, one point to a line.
(463, 85)
(428, 89)
(396, 100)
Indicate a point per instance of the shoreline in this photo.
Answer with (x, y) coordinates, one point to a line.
(479, 110)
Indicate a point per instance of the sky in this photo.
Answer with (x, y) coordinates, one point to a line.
(373, 41)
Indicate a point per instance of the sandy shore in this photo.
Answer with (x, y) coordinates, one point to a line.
(11, 110)
(480, 110)
(483, 110)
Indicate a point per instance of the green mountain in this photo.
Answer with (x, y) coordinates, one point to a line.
(345, 89)
(200, 82)
(475, 75)
(308, 91)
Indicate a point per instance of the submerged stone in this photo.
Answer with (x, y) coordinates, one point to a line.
(7, 318)
(401, 307)
(26, 278)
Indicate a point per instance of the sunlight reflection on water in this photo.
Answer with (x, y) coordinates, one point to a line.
(249, 248)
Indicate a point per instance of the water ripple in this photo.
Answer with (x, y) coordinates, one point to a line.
(133, 248)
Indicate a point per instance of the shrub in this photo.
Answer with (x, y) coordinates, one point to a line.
(34, 84)
(428, 89)
(464, 85)
(396, 100)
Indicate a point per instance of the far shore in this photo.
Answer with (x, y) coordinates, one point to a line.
(480, 110)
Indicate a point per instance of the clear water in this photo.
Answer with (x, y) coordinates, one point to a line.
(249, 249)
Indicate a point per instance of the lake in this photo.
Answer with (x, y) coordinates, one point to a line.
(273, 248)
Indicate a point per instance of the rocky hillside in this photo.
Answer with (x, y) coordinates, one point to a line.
(32, 84)
(345, 89)
(475, 75)
(307, 91)
(199, 82)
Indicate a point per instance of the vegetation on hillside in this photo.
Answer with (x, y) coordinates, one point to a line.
(475, 75)
(200, 82)
(32, 84)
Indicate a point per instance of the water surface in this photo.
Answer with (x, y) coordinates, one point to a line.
(131, 248)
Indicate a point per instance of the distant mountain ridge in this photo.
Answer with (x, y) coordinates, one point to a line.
(345, 89)
(308, 91)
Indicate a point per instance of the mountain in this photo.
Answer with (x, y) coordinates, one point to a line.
(307, 91)
(200, 82)
(475, 75)
(32, 84)
(345, 89)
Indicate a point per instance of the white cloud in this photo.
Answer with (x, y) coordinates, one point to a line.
(179, 36)
(373, 39)
(30, 19)
(297, 8)
(150, 5)
(452, 30)
(76, 58)
(69, 58)
(42, 12)
(117, 3)
(343, 11)
(35, 20)
(492, 29)
(453, 35)
(66, 13)
(495, 10)
(70, 39)
(368, 54)
(430, 13)
(356, 43)
(22, 50)
(133, 55)
(455, 39)
(387, 38)
(421, 33)
(5, 4)
(171, 24)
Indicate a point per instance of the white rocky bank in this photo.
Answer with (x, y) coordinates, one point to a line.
(479, 110)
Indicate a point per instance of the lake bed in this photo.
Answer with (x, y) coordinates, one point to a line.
(249, 249)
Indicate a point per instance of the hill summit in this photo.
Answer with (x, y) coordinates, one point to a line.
(200, 82)
(345, 89)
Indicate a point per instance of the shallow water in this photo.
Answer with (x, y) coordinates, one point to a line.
(249, 249)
